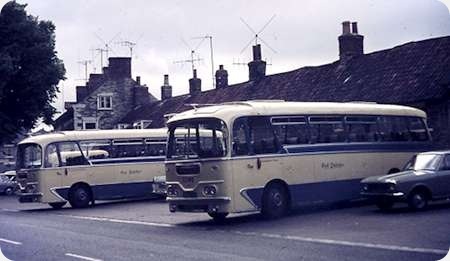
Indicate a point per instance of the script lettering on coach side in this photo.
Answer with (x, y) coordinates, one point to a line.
(332, 165)
(130, 172)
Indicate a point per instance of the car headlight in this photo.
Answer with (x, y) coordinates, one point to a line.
(365, 187)
(209, 190)
(172, 191)
(391, 187)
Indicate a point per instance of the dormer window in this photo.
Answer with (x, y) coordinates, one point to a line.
(104, 101)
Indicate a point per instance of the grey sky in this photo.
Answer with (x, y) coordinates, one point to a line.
(303, 33)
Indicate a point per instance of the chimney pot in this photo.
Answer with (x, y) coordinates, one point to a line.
(351, 44)
(221, 77)
(195, 84)
(166, 89)
(138, 80)
(257, 67)
(346, 27)
(354, 28)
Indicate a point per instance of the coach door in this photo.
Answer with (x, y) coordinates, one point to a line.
(74, 165)
(256, 160)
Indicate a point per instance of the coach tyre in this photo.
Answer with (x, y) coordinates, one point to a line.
(275, 201)
(80, 196)
(218, 217)
(57, 205)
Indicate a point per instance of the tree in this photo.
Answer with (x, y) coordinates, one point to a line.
(29, 70)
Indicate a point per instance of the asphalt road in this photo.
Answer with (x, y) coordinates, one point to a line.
(145, 230)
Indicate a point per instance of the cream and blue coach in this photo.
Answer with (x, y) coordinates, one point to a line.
(83, 166)
(270, 156)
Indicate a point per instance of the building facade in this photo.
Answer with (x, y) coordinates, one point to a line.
(105, 99)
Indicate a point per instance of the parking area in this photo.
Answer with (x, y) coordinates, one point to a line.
(360, 226)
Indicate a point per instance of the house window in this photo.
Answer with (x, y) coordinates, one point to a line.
(104, 102)
(89, 123)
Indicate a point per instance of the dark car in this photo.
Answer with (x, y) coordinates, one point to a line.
(425, 177)
(8, 183)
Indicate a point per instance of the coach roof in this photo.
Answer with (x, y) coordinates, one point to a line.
(230, 110)
(96, 134)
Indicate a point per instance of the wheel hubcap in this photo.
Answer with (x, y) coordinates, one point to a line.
(82, 195)
(277, 199)
(419, 201)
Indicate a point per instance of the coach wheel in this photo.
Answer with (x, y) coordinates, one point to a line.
(385, 204)
(275, 201)
(418, 200)
(9, 191)
(57, 205)
(218, 217)
(80, 196)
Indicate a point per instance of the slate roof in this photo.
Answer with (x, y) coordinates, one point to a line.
(406, 74)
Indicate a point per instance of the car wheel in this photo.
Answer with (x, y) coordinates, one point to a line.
(9, 191)
(80, 196)
(417, 200)
(385, 204)
(57, 205)
(275, 201)
(218, 217)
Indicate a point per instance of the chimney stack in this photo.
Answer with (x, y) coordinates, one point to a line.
(221, 77)
(166, 89)
(257, 67)
(195, 84)
(119, 67)
(351, 44)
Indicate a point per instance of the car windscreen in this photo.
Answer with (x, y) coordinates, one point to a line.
(424, 162)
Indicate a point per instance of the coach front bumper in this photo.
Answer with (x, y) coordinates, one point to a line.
(198, 204)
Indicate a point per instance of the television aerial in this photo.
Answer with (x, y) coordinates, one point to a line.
(257, 34)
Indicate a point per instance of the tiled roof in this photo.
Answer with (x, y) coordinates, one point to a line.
(409, 73)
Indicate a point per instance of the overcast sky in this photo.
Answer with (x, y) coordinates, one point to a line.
(303, 32)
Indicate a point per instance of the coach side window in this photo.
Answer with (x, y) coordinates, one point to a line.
(240, 137)
(393, 128)
(71, 155)
(327, 129)
(262, 136)
(291, 129)
(362, 128)
(417, 129)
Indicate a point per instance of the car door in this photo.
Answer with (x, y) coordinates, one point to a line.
(443, 177)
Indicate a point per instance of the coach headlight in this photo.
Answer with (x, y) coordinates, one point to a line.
(209, 190)
(172, 191)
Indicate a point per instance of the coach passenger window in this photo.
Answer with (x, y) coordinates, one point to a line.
(326, 129)
(362, 128)
(394, 128)
(128, 148)
(71, 154)
(417, 129)
(51, 156)
(291, 129)
(262, 136)
(240, 137)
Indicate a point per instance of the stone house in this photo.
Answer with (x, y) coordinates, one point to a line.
(105, 99)
(415, 74)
